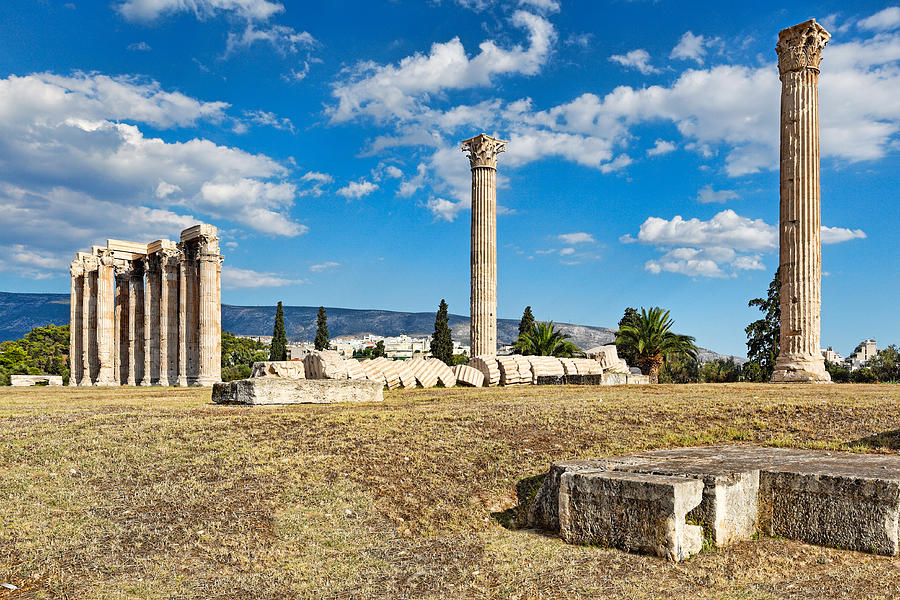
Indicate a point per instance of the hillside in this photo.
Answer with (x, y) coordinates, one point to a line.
(20, 312)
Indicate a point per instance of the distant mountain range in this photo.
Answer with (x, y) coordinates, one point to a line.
(19, 313)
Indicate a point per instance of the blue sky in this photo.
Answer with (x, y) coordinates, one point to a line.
(323, 140)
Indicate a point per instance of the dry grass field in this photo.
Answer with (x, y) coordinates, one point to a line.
(156, 493)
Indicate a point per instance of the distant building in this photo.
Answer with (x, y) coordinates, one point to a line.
(265, 339)
(865, 351)
(832, 356)
(404, 346)
(299, 350)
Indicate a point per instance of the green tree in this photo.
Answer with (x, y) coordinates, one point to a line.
(751, 371)
(886, 364)
(378, 351)
(678, 368)
(839, 372)
(441, 339)
(545, 340)
(321, 330)
(650, 339)
(278, 349)
(527, 322)
(863, 375)
(239, 354)
(43, 350)
(763, 335)
(722, 370)
(628, 318)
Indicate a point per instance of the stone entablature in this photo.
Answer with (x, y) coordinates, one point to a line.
(148, 314)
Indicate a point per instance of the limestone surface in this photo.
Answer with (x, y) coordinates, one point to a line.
(489, 367)
(468, 376)
(836, 499)
(29, 380)
(276, 390)
(288, 369)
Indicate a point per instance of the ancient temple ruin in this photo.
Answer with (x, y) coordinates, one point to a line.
(147, 314)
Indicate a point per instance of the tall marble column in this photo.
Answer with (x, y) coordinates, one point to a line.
(88, 320)
(123, 275)
(182, 318)
(210, 317)
(148, 316)
(799, 54)
(136, 324)
(167, 281)
(483, 150)
(76, 360)
(106, 289)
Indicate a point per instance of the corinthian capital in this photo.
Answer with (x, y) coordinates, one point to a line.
(800, 47)
(483, 150)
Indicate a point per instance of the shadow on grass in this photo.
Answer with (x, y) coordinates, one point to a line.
(517, 516)
(887, 440)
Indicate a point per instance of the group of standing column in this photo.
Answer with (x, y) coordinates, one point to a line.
(148, 314)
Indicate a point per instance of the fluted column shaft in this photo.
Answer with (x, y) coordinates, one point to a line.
(106, 289)
(88, 321)
(483, 298)
(210, 317)
(148, 315)
(164, 320)
(136, 326)
(122, 326)
(182, 320)
(800, 222)
(75, 311)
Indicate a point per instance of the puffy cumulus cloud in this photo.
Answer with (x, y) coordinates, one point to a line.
(393, 172)
(720, 247)
(149, 10)
(578, 237)
(396, 91)
(357, 189)
(636, 59)
(884, 20)
(692, 47)
(836, 235)
(73, 151)
(661, 147)
(708, 195)
(234, 278)
(324, 266)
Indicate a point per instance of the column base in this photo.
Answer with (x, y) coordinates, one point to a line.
(105, 383)
(144, 383)
(801, 370)
(130, 382)
(182, 382)
(85, 382)
(204, 381)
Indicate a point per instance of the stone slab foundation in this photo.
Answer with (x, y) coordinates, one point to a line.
(275, 390)
(842, 500)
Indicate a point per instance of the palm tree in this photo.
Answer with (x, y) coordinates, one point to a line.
(649, 336)
(544, 340)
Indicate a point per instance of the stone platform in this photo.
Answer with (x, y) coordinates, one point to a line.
(838, 499)
(275, 390)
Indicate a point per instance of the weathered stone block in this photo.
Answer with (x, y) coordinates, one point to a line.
(584, 379)
(611, 378)
(288, 369)
(637, 512)
(850, 511)
(550, 380)
(637, 378)
(28, 380)
(270, 390)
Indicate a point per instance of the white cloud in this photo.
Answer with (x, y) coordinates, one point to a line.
(357, 189)
(396, 91)
(447, 209)
(661, 147)
(719, 247)
(269, 119)
(73, 151)
(544, 6)
(234, 278)
(282, 38)
(393, 172)
(836, 235)
(576, 238)
(636, 59)
(707, 195)
(139, 47)
(884, 20)
(149, 10)
(566, 251)
(317, 177)
(692, 47)
(323, 266)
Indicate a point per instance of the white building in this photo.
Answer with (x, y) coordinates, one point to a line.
(832, 356)
(865, 351)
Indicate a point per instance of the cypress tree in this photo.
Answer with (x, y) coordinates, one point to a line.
(442, 340)
(527, 322)
(278, 349)
(322, 330)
